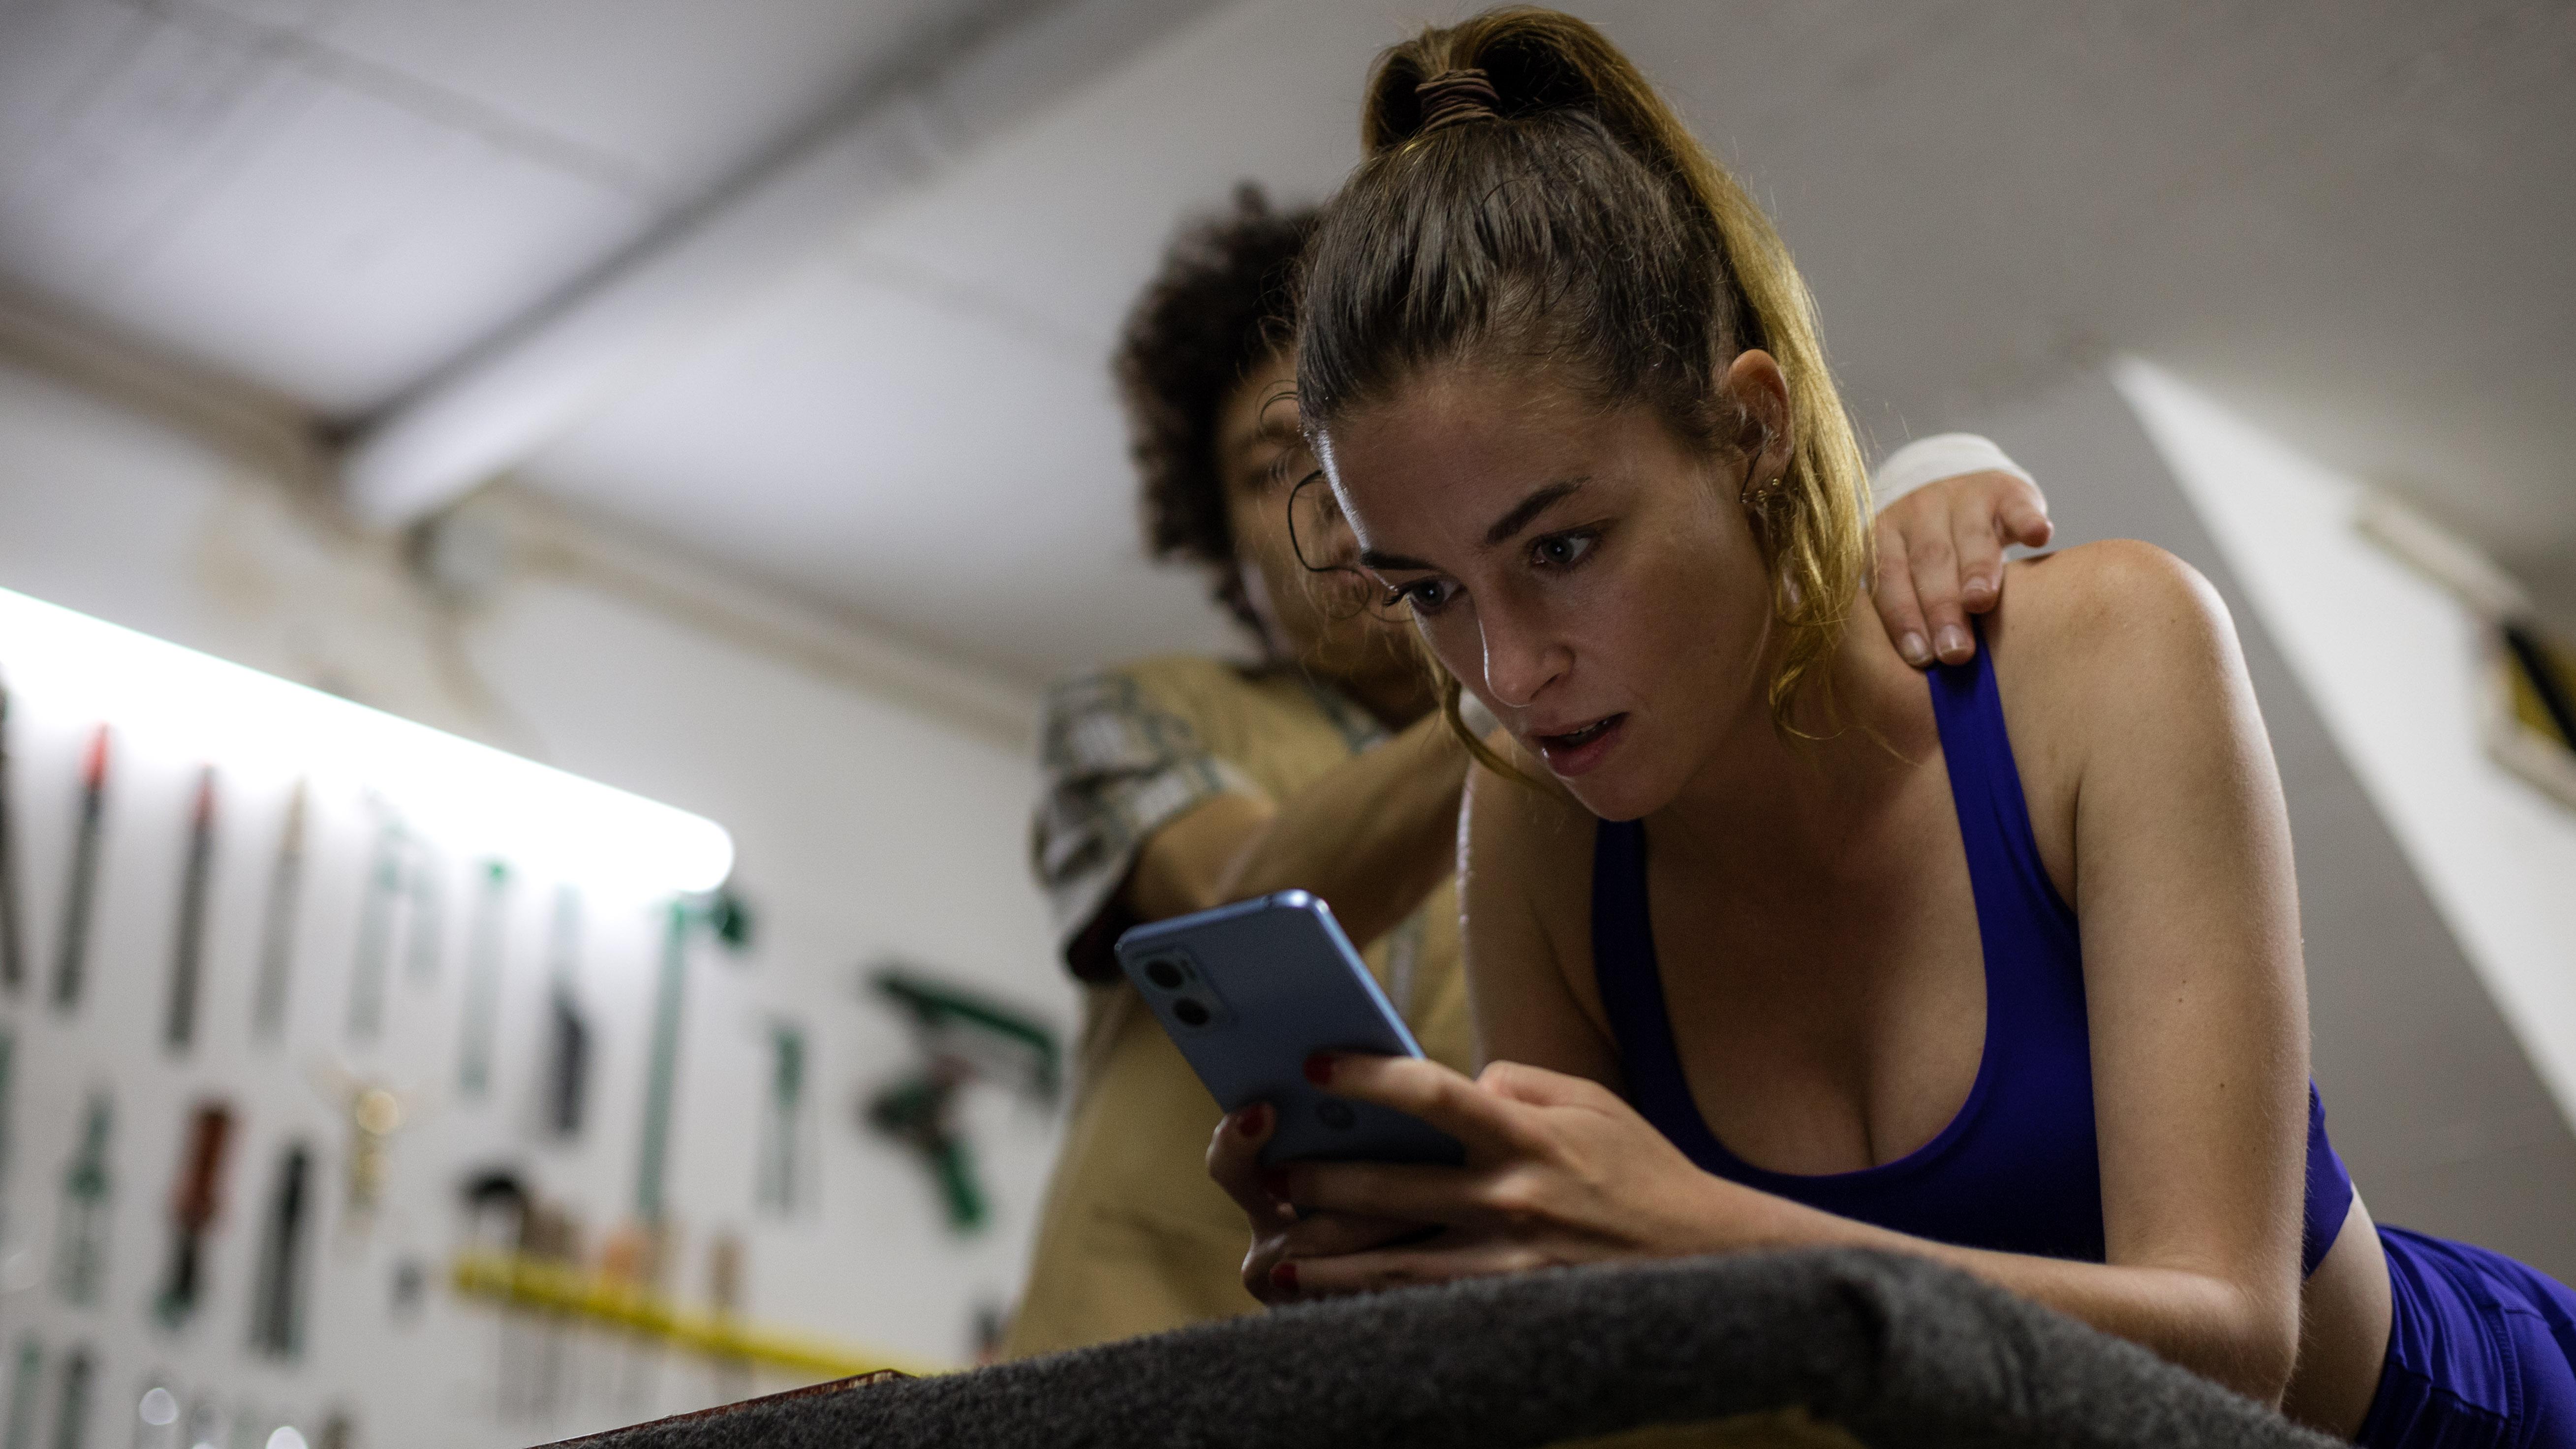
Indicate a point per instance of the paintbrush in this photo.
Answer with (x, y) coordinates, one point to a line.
(93, 811)
(277, 931)
(13, 964)
(188, 956)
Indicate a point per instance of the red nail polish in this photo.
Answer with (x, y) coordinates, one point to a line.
(1284, 1277)
(1255, 1120)
(1319, 1068)
(1274, 1181)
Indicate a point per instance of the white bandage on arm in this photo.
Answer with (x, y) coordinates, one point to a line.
(1929, 460)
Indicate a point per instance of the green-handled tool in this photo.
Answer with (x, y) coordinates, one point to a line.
(965, 1037)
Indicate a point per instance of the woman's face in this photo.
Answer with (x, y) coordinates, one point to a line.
(1321, 620)
(1588, 574)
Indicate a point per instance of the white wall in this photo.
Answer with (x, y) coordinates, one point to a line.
(865, 828)
(2395, 665)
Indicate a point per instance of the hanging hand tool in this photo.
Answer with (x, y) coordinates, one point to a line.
(71, 1411)
(780, 1171)
(8, 1054)
(567, 1066)
(722, 913)
(384, 892)
(277, 928)
(25, 1382)
(966, 1038)
(425, 874)
(277, 1298)
(73, 955)
(187, 956)
(80, 1235)
(483, 982)
(13, 962)
(193, 1208)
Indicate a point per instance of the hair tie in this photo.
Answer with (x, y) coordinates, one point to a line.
(1454, 96)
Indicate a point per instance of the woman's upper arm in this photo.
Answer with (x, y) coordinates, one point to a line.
(1524, 878)
(2189, 918)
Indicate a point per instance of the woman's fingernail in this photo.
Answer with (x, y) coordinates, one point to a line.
(1978, 593)
(1913, 648)
(1954, 642)
(1319, 1068)
(1274, 1181)
(1253, 1121)
(1284, 1277)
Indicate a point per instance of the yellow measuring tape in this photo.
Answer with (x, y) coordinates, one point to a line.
(526, 1282)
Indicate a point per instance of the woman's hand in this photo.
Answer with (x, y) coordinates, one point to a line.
(1559, 1170)
(1941, 558)
(1234, 1160)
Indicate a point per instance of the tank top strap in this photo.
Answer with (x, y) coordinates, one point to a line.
(2013, 892)
(1632, 994)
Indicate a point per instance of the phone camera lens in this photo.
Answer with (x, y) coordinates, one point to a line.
(1190, 1012)
(1335, 1113)
(1165, 973)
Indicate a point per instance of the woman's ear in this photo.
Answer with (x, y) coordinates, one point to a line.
(1758, 396)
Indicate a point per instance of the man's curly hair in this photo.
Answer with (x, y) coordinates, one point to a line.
(1222, 301)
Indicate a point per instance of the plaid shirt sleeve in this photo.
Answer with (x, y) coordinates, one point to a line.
(1115, 769)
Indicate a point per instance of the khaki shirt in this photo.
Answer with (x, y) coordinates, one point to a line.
(1134, 1238)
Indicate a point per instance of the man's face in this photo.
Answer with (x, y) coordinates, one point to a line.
(1315, 610)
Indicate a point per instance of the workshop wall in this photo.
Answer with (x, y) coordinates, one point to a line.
(868, 829)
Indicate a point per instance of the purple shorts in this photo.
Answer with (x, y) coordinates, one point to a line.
(2481, 1351)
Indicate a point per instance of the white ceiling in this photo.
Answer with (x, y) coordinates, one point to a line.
(2349, 218)
(334, 198)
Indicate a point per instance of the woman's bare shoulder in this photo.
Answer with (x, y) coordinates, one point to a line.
(2118, 615)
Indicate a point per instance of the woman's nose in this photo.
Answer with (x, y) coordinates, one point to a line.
(1520, 662)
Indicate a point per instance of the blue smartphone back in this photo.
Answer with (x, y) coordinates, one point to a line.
(1249, 991)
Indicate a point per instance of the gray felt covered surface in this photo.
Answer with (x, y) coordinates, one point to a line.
(1892, 1348)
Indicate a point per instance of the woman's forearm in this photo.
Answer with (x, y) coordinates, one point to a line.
(2204, 1321)
(1372, 836)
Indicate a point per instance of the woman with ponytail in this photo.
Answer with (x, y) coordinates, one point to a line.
(1770, 941)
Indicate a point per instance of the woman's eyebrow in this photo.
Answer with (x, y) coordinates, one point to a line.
(1526, 512)
(1523, 514)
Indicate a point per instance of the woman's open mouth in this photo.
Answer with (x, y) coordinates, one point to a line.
(1576, 751)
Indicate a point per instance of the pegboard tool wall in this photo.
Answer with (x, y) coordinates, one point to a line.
(865, 829)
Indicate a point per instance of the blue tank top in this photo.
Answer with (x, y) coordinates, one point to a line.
(2017, 1170)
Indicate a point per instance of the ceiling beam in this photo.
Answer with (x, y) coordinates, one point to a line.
(548, 373)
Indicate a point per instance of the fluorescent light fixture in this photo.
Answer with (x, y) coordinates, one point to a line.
(175, 704)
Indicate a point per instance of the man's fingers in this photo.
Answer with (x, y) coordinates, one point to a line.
(1934, 557)
(1979, 548)
(1893, 593)
(2024, 517)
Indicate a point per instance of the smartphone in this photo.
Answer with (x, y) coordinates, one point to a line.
(1249, 991)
